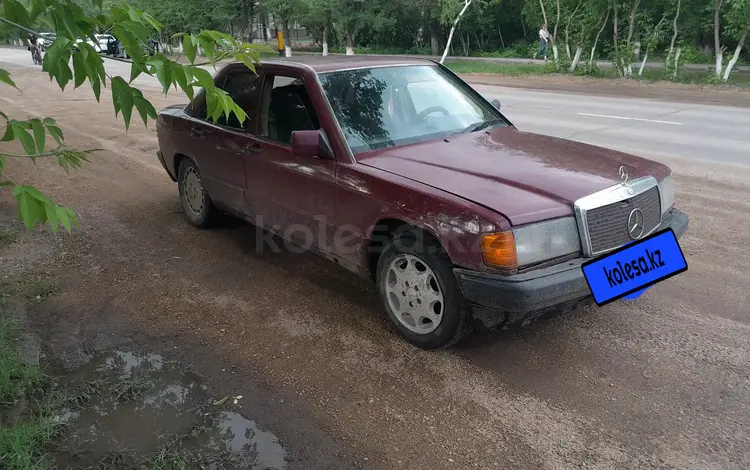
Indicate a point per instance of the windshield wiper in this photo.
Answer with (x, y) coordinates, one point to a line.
(478, 126)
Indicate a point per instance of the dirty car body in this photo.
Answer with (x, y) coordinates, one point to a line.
(399, 171)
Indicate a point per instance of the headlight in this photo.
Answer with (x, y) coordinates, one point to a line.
(666, 193)
(531, 244)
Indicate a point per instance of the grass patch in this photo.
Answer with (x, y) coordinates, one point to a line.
(168, 458)
(43, 289)
(691, 77)
(131, 388)
(27, 404)
(7, 237)
(513, 70)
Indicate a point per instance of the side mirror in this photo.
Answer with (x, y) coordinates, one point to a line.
(496, 104)
(311, 144)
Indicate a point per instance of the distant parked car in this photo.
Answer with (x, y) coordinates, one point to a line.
(400, 171)
(103, 41)
(49, 38)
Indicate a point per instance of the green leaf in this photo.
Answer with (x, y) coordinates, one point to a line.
(52, 218)
(55, 132)
(209, 47)
(145, 108)
(66, 216)
(39, 134)
(5, 78)
(55, 61)
(188, 46)
(9, 134)
(162, 68)
(202, 76)
(122, 97)
(31, 210)
(65, 21)
(16, 12)
(26, 140)
(135, 71)
(153, 22)
(188, 88)
(79, 68)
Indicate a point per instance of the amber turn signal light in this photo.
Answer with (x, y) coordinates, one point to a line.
(499, 250)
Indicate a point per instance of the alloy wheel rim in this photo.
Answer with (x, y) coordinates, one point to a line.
(193, 190)
(414, 294)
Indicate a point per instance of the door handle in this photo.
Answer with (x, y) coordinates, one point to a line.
(196, 132)
(254, 148)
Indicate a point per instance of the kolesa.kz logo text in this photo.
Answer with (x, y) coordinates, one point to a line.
(643, 265)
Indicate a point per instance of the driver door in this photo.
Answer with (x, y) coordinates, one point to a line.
(298, 194)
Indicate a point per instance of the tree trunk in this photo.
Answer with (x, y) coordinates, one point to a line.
(434, 41)
(675, 30)
(287, 40)
(554, 33)
(325, 39)
(266, 28)
(577, 57)
(736, 55)
(502, 43)
(453, 29)
(567, 29)
(350, 43)
(643, 64)
(631, 26)
(718, 50)
(596, 39)
(677, 61)
(616, 37)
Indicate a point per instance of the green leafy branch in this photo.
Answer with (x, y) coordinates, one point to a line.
(133, 28)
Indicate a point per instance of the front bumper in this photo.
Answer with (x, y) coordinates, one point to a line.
(505, 300)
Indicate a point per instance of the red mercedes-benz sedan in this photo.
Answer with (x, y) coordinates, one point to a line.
(401, 172)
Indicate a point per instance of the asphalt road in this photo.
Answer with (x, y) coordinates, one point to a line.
(661, 382)
(645, 127)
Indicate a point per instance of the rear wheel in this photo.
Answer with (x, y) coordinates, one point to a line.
(194, 199)
(420, 293)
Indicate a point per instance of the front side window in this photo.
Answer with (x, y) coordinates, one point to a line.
(384, 107)
(285, 107)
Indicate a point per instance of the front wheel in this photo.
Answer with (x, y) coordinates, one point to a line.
(420, 293)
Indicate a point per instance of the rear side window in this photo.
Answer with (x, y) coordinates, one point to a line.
(242, 86)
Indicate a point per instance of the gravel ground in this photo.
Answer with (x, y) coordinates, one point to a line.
(659, 382)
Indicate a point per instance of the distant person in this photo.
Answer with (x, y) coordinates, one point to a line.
(543, 41)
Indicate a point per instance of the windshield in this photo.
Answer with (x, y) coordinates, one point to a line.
(384, 107)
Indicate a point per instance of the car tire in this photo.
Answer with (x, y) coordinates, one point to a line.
(194, 199)
(454, 322)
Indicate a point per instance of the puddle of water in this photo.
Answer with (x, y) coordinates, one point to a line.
(137, 405)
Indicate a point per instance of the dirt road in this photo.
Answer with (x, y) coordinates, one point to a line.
(659, 382)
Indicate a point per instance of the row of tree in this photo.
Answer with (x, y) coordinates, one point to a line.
(627, 32)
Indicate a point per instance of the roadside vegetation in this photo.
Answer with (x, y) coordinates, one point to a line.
(692, 77)
(27, 401)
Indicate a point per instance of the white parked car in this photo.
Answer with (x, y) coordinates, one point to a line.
(101, 43)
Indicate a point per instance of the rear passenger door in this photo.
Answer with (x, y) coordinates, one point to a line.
(298, 194)
(220, 146)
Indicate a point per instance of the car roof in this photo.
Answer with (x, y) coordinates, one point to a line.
(322, 64)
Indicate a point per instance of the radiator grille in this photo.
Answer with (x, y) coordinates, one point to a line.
(608, 225)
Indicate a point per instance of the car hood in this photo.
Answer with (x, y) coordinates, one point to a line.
(525, 177)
